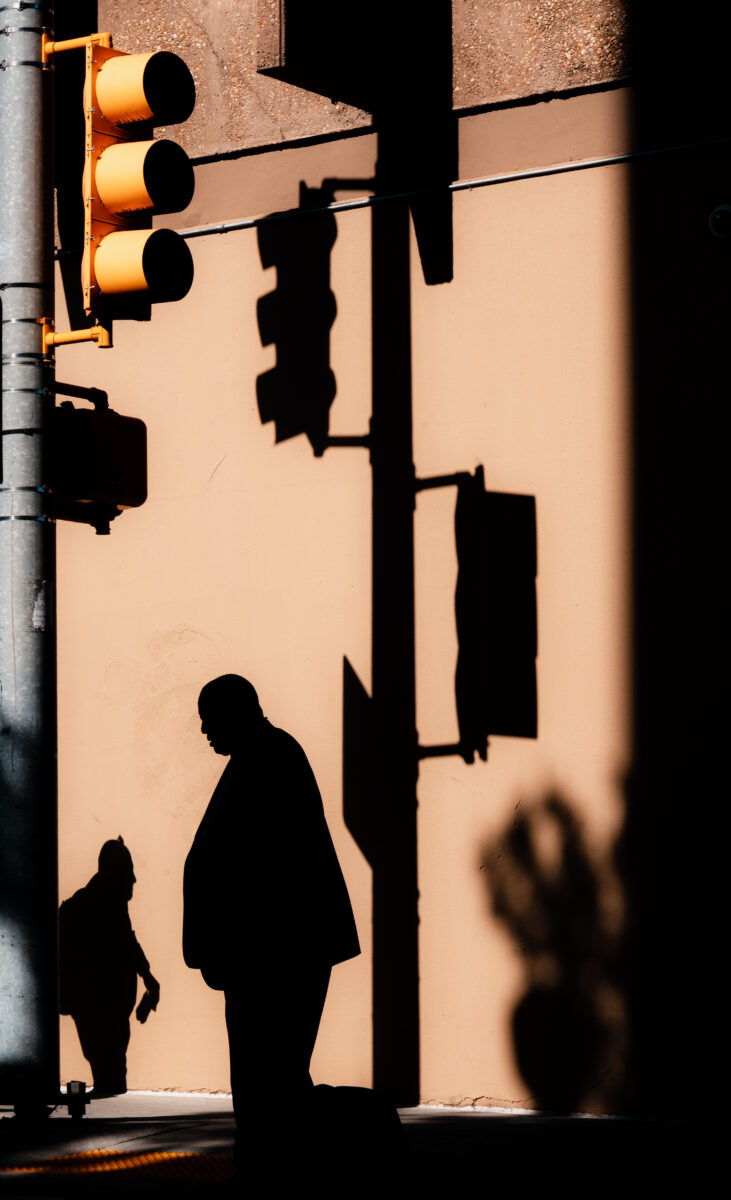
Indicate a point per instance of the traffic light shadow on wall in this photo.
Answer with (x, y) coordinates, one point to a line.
(495, 614)
(495, 609)
(100, 462)
(496, 620)
(129, 177)
(296, 318)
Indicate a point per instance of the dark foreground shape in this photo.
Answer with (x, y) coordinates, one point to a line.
(354, 1135)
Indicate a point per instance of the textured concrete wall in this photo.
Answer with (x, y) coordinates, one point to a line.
(236, 108)
(507, 49)
(502, 50)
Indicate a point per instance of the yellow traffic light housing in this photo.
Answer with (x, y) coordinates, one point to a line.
(129, 176)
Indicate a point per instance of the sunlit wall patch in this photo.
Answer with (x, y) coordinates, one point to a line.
(38, 605)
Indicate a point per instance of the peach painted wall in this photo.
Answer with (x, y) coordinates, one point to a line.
(255, 557)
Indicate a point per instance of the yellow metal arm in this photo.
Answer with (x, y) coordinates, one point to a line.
(101, 334)
(94, 39)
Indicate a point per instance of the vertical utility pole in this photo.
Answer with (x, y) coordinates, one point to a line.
(28, 819)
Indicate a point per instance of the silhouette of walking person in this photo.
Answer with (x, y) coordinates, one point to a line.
(99, 961)
(266, 909)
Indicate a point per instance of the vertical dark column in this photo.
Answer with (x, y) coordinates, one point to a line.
(417, 153)
(673, 852)
(394, 745)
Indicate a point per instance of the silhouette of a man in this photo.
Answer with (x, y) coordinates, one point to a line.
(266, 910)
(99, 962)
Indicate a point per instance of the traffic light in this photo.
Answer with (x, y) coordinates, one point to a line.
(296, 394)
(129, 176)
(495, 605)
(100, 465)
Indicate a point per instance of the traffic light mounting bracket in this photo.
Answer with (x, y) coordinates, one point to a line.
(50, 48)
(101, 334)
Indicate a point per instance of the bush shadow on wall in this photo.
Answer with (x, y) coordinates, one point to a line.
(551, 895)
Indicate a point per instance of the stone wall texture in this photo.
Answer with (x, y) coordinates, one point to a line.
(503, 50)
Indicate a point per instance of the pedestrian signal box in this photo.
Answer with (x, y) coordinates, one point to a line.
(100, 465)
(129, 176)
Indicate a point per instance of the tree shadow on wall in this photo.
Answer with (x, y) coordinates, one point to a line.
(552, 896)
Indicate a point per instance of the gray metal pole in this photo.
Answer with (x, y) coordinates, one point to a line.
(28, 829)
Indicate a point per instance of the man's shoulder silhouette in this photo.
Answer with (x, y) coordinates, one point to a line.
(263, 859)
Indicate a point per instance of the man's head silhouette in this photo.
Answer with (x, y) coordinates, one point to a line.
(116, 870)
(230, 711)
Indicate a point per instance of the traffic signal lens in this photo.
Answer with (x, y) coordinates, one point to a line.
(168, 265)
(153, 262)
(133, 176)
(154, 87)
(169, 88)
(169, 176)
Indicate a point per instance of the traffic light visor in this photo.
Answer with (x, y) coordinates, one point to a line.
(154, 87)
(133, 176)
(155, 262)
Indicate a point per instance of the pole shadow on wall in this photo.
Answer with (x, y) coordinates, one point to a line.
(394, 69)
